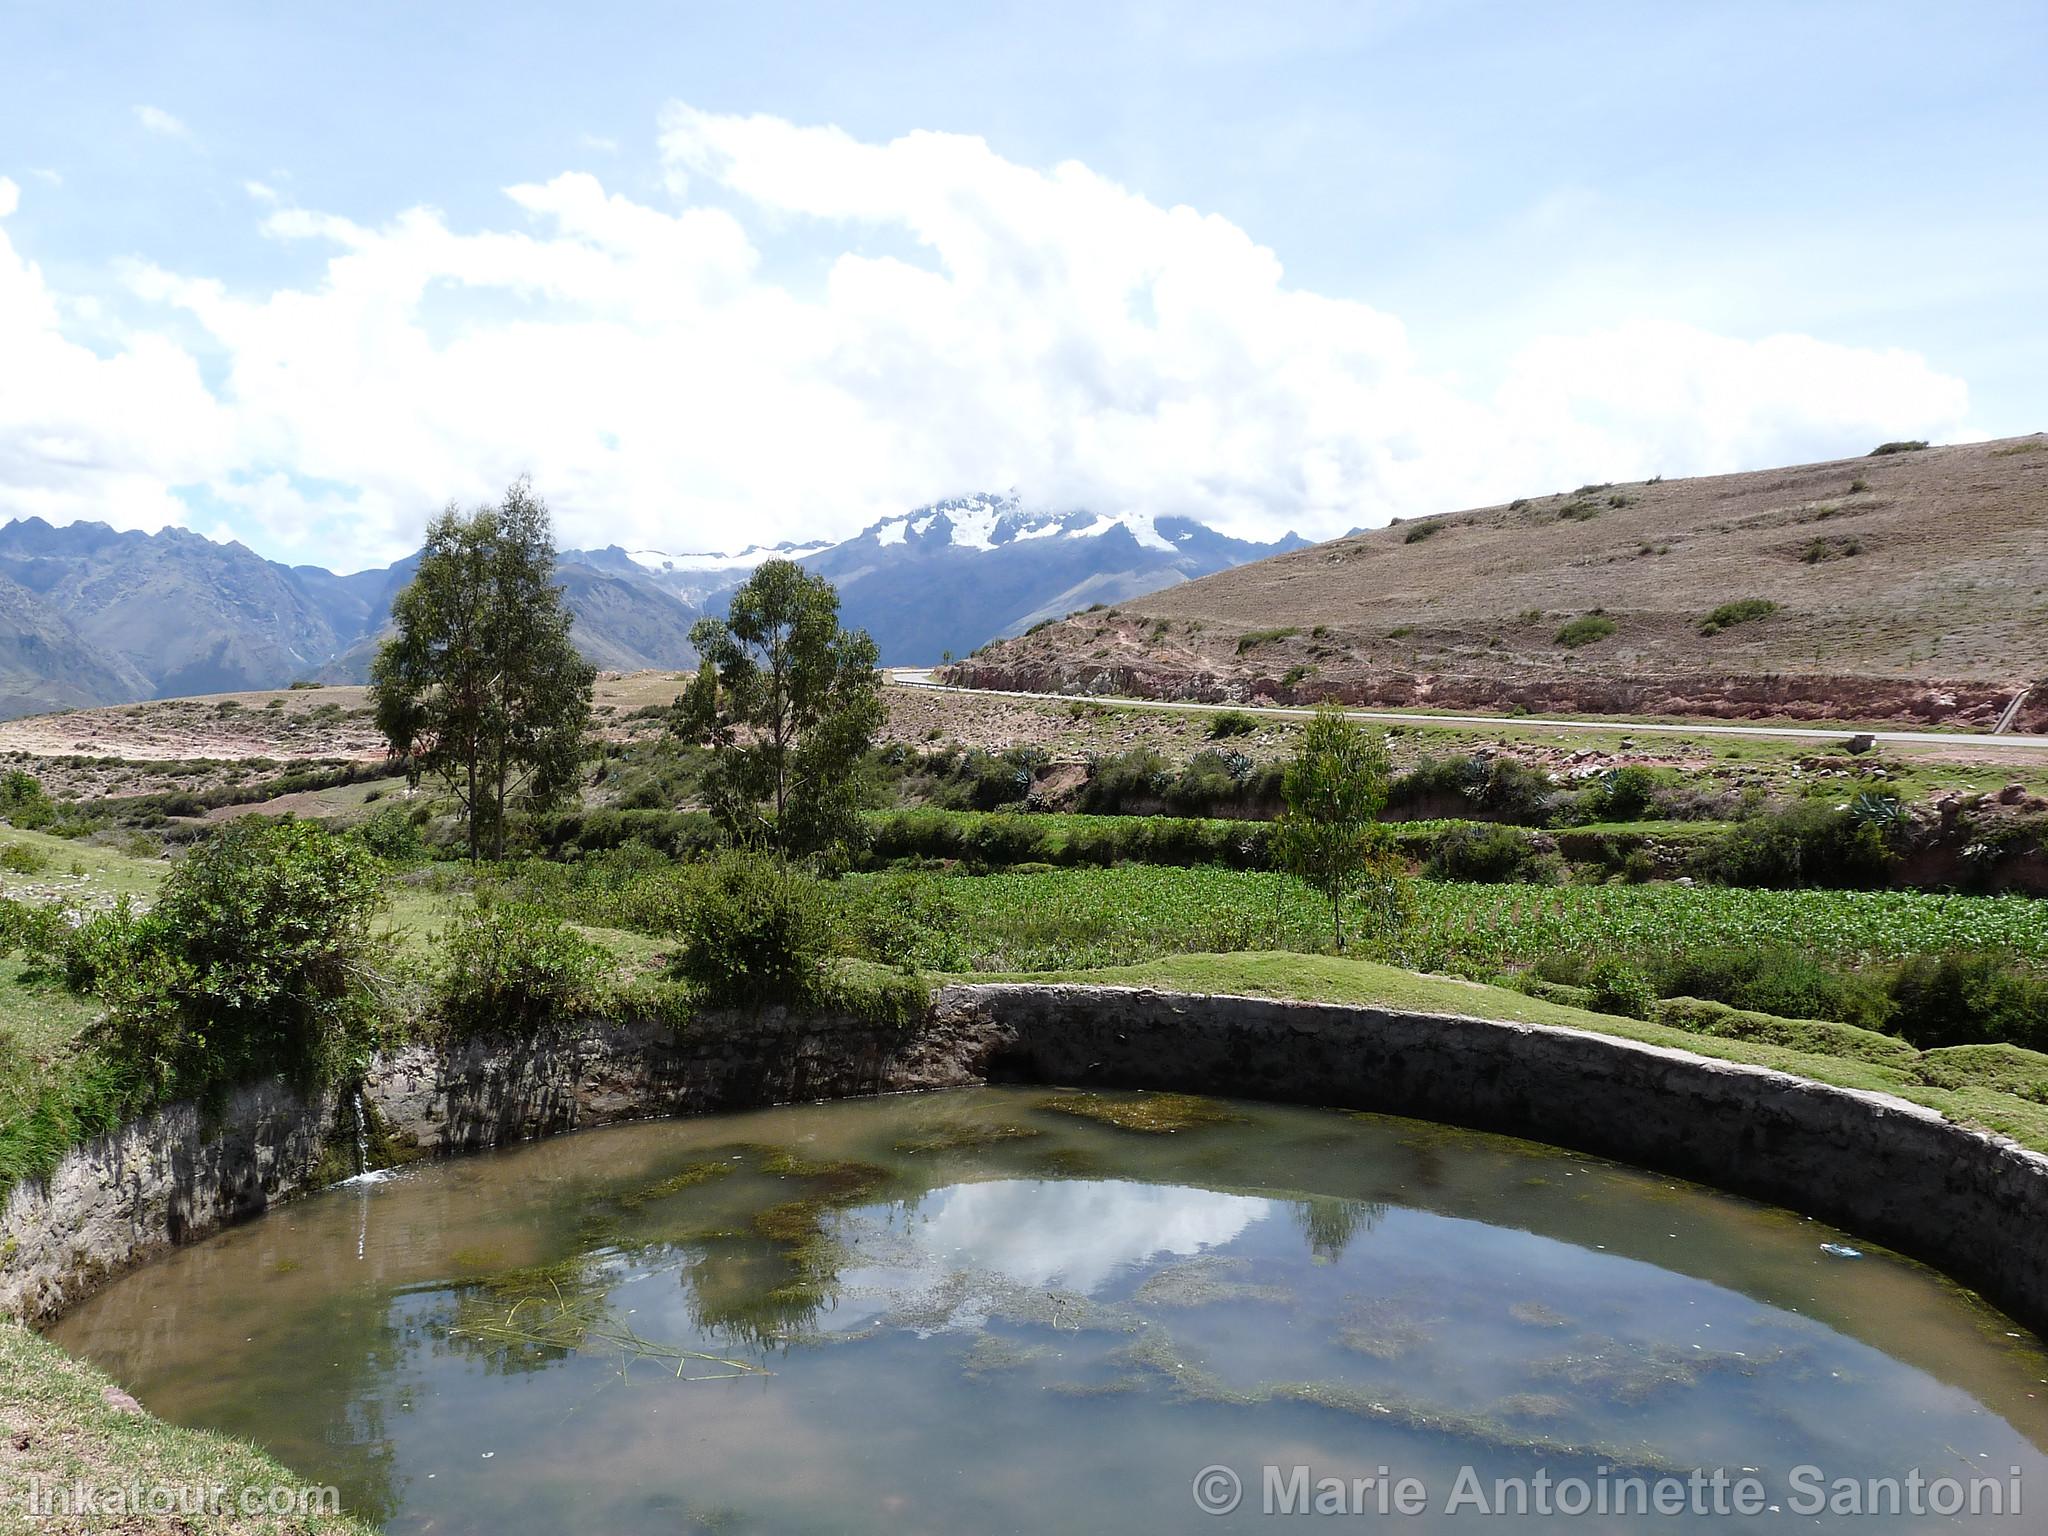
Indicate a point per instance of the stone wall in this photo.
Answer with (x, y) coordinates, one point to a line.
(1972, 1204)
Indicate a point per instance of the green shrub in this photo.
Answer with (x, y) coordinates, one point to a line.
(901, 921)
(1781, 980)
(1805, 844)
(23, 859)
(393, 835)
(1904, 445)
(1226, 723)
(1491, 854)
(757, 931)
(513, 967)
(1619, 988)
(1497, 786)
(1627, 793)
(1417, 532)
(250, 964)
(1969, 999)
(23, 801)
(1251, 639)
(1118, 781)
(1584, 630)
(1742, 611)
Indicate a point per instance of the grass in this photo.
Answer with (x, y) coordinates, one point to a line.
(62, 1428)
(1983, 1086)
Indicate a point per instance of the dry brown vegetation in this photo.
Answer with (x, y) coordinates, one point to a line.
(1912, 586)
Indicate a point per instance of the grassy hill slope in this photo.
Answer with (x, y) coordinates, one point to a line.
(1901, 586)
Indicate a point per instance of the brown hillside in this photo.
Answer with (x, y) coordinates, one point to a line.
(1909, 586)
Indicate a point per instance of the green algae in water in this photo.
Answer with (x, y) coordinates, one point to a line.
(901, 1314)
(1155, 1114)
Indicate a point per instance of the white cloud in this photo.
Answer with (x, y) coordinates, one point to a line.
(86, 435)
(260, 192)
(157, 121)
(46, 175)
(822, 331)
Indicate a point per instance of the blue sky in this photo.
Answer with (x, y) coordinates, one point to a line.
(1305, 266)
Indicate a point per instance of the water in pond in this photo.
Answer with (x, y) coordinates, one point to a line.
(1003, 1310)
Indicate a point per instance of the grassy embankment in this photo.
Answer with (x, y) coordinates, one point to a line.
(64, 1425)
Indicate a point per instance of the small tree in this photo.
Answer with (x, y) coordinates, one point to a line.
(1330, 833)
(790, 702)
(480, 685)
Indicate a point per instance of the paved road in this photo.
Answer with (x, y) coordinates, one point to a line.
(921, 677)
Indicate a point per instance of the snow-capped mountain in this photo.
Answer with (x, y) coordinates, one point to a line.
(92, 616)
(950, 576)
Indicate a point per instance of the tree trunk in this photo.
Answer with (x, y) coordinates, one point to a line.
(474, 846)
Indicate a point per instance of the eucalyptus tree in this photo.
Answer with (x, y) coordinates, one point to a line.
(789, 703)
(479, 684)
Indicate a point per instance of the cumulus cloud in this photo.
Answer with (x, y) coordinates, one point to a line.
(161, 123)
(818, 330)
(89, 435)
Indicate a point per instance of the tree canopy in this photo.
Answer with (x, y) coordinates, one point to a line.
(790, 704)
(480, 685)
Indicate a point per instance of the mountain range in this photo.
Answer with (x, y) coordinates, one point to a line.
(90, 615)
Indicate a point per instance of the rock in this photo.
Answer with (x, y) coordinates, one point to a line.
(2012, 794)
(1862, 741)
(120, 1401)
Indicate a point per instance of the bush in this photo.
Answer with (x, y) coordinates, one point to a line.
(1489, 853)
(23, 801)
(23, 859)
(1495, 786)
(1121, 780)
(1968, 999)
(1804, 844)
(1627, 793)
(1251, 639)
(1784, 981)
(251, 963)
(1417, 532)
(393, 835)
(903, 921)
(1584, 630)
(1617, 987)
(757, 931)
(515, 967)
(1904, 445)
(1741, 611)
(1226, 723)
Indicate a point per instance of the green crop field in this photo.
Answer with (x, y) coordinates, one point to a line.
(1036, 920)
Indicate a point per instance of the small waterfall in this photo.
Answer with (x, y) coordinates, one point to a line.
(362, 1137)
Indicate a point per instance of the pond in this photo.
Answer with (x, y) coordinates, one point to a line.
(1016, 1309)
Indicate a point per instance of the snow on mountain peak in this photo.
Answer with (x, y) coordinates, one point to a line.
(987, 522)
(663, 563)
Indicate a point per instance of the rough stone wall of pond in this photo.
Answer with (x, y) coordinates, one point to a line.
(1974, 1205)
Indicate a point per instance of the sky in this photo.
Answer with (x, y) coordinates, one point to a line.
(723, 274)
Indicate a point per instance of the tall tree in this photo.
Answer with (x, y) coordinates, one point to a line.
(790, 703)
(480, 685)
(1329, 833)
